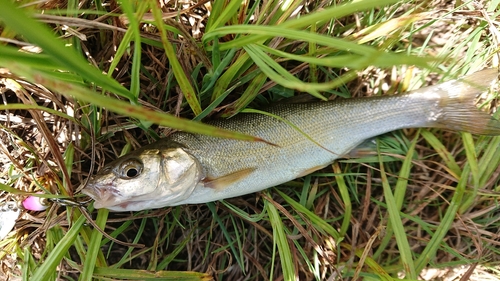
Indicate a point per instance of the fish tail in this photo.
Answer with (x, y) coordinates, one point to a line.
(456, 109)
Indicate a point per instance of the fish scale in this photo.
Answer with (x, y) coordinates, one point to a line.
(320, 121)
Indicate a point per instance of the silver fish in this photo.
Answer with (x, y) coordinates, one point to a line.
(189, 168)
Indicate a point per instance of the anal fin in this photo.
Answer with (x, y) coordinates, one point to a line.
(310, 171)
(366, 148)
(222, 182)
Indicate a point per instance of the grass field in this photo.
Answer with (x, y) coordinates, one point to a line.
(83, 82)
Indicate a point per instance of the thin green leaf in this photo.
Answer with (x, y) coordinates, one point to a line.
(228, 237)
(281, 240)
(181, 77)
(369, 55)
(250, 110)
(397, 225)
(222, 12)
(120, 51)
(344, 194)
(173, 254)
(135, 83)
(240, 65)
(280, 75)
(399, 194)
(490, 160)
(219, 68)
(124, 108)
(250, 93)
(26, 269)
(318, 222)
(22, 106)
(377, 268)
(54, 258)
(144, 275)
(442, 229)
(301, 23)
(443, 152)
(55, 48)
(93, 251)
(470, 152)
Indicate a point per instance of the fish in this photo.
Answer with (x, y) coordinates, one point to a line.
(300, 138)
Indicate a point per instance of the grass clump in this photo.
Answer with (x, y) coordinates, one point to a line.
(83, 82)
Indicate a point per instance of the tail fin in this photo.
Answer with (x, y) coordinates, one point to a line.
(457, 109)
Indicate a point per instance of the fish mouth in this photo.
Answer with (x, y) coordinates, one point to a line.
(109, 198)
(104, 196)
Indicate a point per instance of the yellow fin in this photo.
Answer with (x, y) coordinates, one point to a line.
(221, 183)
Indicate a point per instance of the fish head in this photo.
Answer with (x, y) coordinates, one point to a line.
(151, 177)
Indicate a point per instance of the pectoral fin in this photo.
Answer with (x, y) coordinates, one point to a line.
(222, 182)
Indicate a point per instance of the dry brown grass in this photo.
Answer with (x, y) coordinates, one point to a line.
(33, 142)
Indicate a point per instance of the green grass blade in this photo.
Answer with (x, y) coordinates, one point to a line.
(118, 231)
(181, 77)
(318, 222)
(281, 240)
(470, 152)
(443, 152)
(357, 61)
(490, 160)
(228, 237)
(28, 259)
(93, 251)
(68, 157)
(40, 61)
(251, 92)
(368, 55)
(144, 275)
(250, 110)
(210, 79)
(120, 51)
(22, 106)
(55, 48)
(280, 75)
(344, 194)
(246, 216)
(173, 254)
(433, 245)
(122, 107)
(135, 83)
(54, 258)
(397, 225)
(223, 12)
(240, 65)
(404, 174)
(399, 194)
(378, 269)
(335, 11)
(213, 104)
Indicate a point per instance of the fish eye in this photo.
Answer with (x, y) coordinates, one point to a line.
(130, 169)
